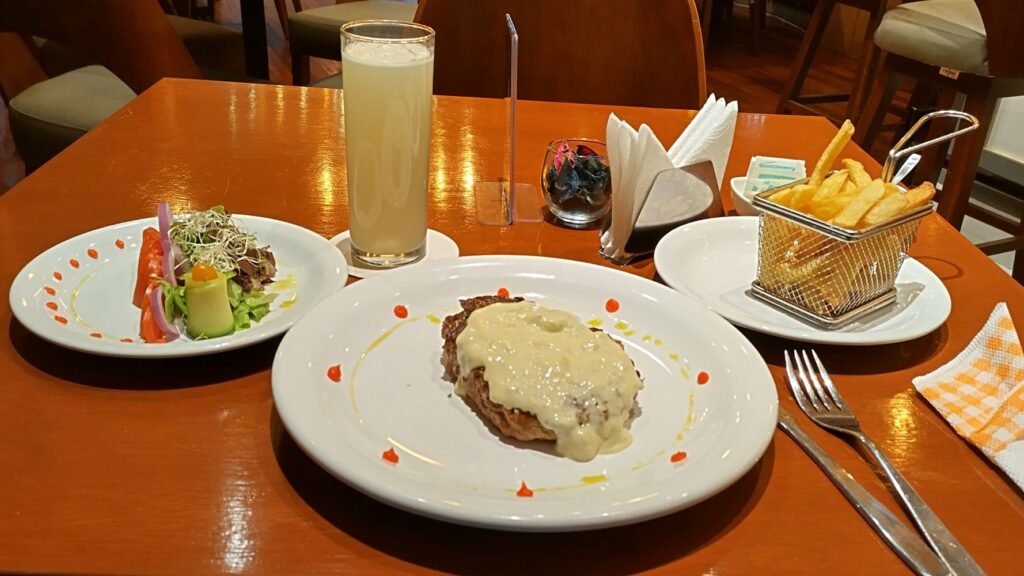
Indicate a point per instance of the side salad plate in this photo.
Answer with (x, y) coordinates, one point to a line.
(715, 261)
(176, 285)
(360, 386)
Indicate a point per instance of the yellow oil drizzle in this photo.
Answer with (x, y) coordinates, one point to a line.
(646, 338)
(73, 301)
(673, 357)
(290, 302)
(373, 345)
(621, 325)
(657, 342)
(596, 479)
(648, 462)
(684, 372)
(433, 319)
(629, 332)
(283, 284)
(595, 323)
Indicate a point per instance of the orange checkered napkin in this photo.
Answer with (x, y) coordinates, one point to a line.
(981, 393)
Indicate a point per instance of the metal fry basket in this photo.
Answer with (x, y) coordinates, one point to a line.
(830, 276)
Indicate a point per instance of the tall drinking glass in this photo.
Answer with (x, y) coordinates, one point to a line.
(388, 80)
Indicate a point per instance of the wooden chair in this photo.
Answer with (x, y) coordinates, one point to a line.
(982, 68)
(601, 51)
(133, 42)
(791, 98)
(715, 10)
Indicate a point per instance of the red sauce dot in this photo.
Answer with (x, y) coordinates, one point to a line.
(503, 292)
(390, 455)
(612, 305)
(49, 290)
(61, 319)
(92, 253)
(58, 276)
(524, 492)
(703, 378)
(128, 340)
(678, 457)
(334, 372)
(74, 263)
(96, 335)
(51, 305)
(401, 311)
(119, 243)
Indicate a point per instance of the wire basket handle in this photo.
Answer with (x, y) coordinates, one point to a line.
(898, 151)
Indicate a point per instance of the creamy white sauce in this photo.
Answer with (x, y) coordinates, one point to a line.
(579, 384)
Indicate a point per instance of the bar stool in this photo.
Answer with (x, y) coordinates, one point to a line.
(714, 10)
(953, 45)
(316, 32)
(791, 97)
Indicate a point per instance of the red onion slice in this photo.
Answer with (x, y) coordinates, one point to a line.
(156, 303)
(165, 219)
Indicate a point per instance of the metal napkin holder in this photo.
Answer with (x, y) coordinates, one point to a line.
(678, 182)
(830, 276)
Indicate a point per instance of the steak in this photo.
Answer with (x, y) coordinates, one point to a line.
(511, 422)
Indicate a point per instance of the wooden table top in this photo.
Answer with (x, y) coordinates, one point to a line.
(155, 467)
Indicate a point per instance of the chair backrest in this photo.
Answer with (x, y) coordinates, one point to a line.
(131, 38)
(621, 52)
(1004, 28)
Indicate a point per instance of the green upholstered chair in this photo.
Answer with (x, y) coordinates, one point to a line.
(49, 115)
(316, 32)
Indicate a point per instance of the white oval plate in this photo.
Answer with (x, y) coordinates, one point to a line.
(78, 294)
(452, 467)
(715, 261)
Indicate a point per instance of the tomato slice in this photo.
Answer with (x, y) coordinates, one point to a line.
(150, 264)
(148, 328)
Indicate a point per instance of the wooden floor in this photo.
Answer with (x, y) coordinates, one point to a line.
(754, 81)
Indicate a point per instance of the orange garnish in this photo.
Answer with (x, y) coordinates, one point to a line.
(678, 457)
(73, 262)
(61, 319)
(128, 340)
(503, 292)
(96, 335)
(49, 290)
(334, 372)
(92, 253)
(401, 311)
(203, 273)
(390, 455)
(58, 276)
(612, 305)
(51, 305)
(119, 243)
(524, 492)
(703, 378)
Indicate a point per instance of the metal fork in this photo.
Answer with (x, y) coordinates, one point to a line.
(820, 400)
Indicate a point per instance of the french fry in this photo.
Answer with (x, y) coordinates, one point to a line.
(801, 196)
(858, 175)
(891, 205)
(850, 187)
(920, 196)
(782, 197)
(865, 200)
(832, 186)
(829, 207)
(831, 153)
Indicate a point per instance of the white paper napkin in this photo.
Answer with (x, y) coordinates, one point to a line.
(636, 158)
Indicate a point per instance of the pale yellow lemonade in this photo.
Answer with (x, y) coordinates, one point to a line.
(387, 104)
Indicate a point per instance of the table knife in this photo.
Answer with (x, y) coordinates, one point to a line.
(904, 541)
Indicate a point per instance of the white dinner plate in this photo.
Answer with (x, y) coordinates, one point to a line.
(361, 376)
(78, 294)
(715, 261)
